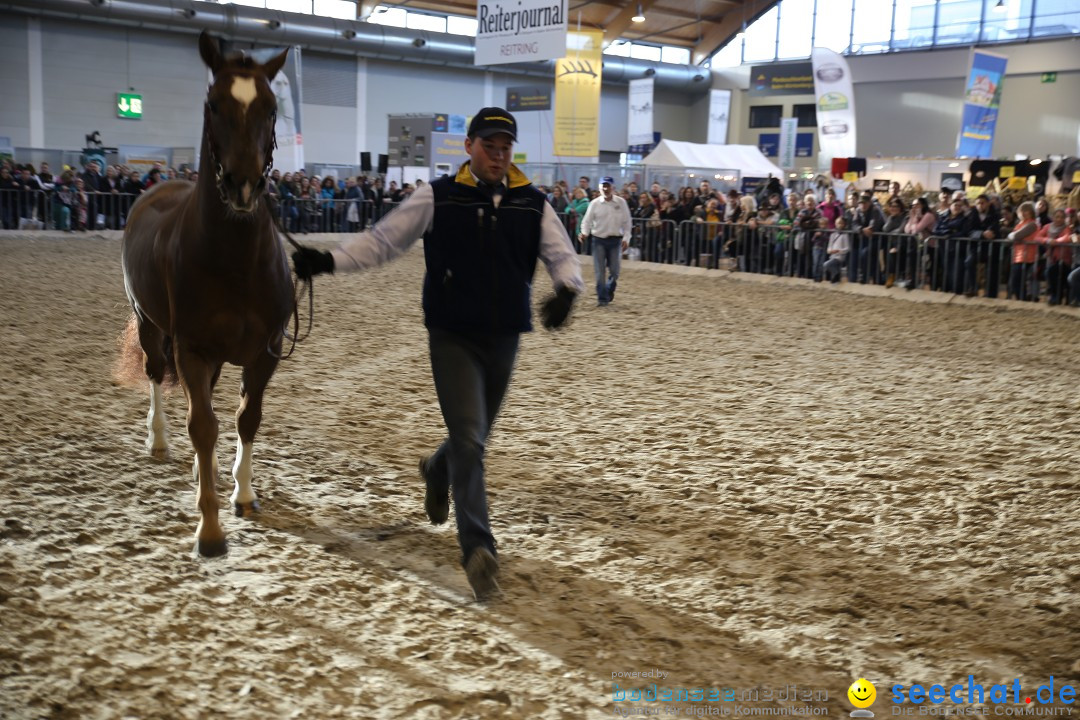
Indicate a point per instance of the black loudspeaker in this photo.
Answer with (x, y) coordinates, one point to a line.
(365, 162)
(384, 164)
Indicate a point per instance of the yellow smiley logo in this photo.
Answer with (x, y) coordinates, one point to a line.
(861, 693)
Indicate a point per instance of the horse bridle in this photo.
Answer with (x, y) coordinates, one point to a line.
(219, 171)
(307, 285)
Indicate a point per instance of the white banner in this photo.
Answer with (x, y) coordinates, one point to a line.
(640, 125)
(289, 155)
(789, 127)
(521, 31)
(835, 106)
(719, 110)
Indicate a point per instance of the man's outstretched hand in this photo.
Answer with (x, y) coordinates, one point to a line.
(308, 262)
(556, 309)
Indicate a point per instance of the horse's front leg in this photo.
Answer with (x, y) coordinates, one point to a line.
(248, 418)
(197, 375)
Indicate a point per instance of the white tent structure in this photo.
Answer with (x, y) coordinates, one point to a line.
(747, 159)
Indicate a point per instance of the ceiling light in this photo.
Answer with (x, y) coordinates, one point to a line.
(792, 175)
(640, 17)
(954, 164)
(1035, 161)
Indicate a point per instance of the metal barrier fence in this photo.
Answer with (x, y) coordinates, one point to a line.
(64, 209)
(310, 215)
(967, 266)
(990, 268)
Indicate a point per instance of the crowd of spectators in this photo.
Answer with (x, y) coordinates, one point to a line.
(72, 200)
(941, 241)
(958, 246)
(88, 200)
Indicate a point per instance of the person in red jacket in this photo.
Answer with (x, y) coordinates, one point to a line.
(1058, 259)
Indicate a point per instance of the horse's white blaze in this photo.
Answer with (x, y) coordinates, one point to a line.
(242, 474)
(243, 89)
(245, 192)
(157, 440)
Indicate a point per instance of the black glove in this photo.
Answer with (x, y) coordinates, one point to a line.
(308, 262)
(556, 309)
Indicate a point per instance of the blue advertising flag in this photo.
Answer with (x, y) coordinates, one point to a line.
(982, 98)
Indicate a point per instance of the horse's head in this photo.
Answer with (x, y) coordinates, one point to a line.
(239, 120)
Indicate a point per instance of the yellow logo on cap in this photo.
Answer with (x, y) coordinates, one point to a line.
(498, 117)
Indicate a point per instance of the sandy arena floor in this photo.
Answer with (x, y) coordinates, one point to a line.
(739, 484)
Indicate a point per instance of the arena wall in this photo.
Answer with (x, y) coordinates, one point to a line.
(906, 103)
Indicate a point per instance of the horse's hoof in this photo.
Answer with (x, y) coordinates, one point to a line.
(159, 454)
(212, 548)
(247, 510)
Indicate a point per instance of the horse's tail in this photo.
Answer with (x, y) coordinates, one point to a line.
(130, 367)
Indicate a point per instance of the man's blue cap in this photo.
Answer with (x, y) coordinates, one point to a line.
(608, 180)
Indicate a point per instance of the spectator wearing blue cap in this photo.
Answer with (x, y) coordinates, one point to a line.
(608, 223)
(483, 231)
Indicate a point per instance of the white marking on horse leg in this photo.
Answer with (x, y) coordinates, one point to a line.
(157, 439)
(243, 89)
(242, 474)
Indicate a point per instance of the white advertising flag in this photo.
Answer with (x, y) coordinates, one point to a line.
(789, 127)
(289, 155)
(835, 106)
(640, 125)
(719, 110)
(510, 31)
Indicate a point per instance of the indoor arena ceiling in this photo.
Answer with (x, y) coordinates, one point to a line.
(702, 26)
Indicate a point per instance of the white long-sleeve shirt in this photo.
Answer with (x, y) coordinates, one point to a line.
(608, 218)
(392, 236)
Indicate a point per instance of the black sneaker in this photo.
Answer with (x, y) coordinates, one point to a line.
(481, 570)
(436, 503)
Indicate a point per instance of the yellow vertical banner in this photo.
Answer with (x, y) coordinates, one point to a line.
(577, 95)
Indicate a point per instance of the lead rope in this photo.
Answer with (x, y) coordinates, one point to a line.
(306, 287)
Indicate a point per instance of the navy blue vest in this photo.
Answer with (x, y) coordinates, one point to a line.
(481, 259)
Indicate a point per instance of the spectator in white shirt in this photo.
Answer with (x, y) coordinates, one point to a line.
(608, 222)
(839, 246)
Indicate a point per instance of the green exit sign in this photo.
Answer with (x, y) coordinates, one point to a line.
(128, 105)
(1049, 77)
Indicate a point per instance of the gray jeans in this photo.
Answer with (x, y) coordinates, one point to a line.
(471, 372)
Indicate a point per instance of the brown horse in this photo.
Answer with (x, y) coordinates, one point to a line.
(209, 281)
